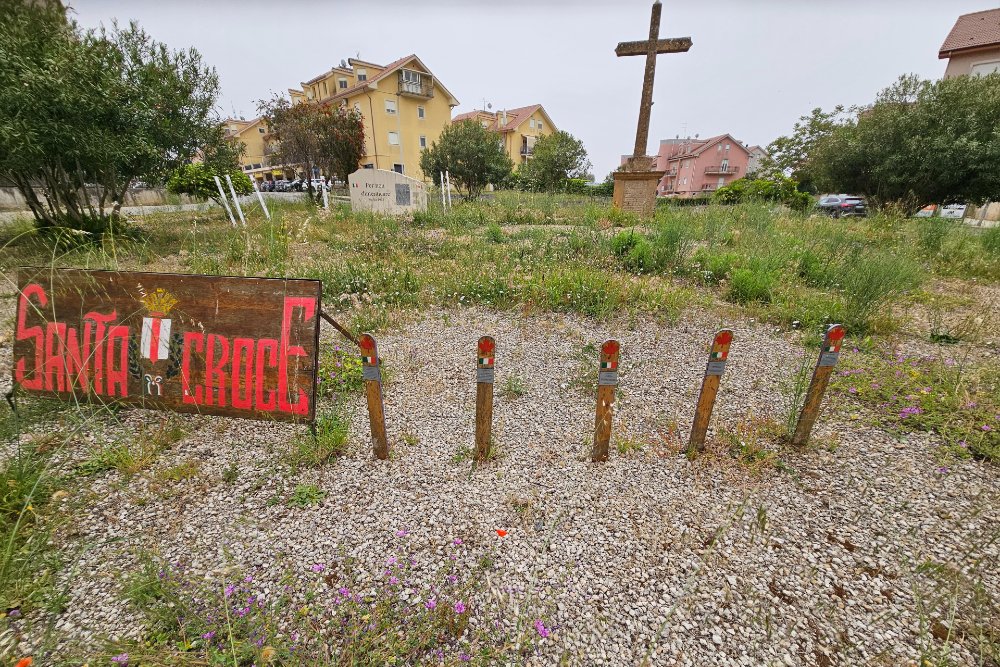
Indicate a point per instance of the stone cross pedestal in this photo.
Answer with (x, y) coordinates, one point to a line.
(635, 184)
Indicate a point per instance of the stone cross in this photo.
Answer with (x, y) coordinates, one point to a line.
(650, 48)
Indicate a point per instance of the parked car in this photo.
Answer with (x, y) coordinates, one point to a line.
(295, 185)
(281, 185)
(842, 205)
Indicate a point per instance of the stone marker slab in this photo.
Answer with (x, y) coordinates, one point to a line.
(382, 191)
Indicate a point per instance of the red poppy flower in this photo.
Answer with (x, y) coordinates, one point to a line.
(24, 662)
(501, 533)
(610, 347)
(367, 343)
(486, 345)
(836, 333)
(724, 337)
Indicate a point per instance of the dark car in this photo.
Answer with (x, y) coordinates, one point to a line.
(842, 205)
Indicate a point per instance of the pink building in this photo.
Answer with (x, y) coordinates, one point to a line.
(697, 166)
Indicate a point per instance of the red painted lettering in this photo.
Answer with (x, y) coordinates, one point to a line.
(244, 347)
(77, 360)
(25, 332)
(117, 374)
(55, 334)
(266, 347)
(192, 339)
(215, 377)
(99, 343)
(308, 306)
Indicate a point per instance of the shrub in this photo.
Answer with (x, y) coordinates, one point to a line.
(869, 279)
(494, 234)
(714, 266)
(198, 180)
(750, 284)
(623, 242)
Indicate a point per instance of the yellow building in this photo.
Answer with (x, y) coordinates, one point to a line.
(520, 128)
(404, 107)
(256, 161)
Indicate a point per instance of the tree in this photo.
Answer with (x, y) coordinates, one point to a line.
(320, 135)
(774, 188)
(556, 157)
(921, 142)
(94, 111)
(790, 155)
(198, 180)
(473, 156)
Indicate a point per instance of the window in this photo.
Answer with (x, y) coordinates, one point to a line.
(394, 138)
(718, 149)
(390, 106)
(423, 141)
(342, 83)
(362, 75)
(398, 168)
(982, 69)
(727, 147)
(485, 124)
(531, 123)
(324, 89)
(409, 76)
(420, 112)
(368, 166)
(261, 130)
(538, 125)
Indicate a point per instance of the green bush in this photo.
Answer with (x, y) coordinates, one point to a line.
(714, 266)
(990, 240)
(747, 285)
(494, 234)
(623, 242)
(198, 180)
(777, 188)
(869, 280)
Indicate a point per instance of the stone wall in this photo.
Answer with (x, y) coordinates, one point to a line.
(11, 199)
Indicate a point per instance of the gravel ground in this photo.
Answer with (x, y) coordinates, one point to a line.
(648, 556)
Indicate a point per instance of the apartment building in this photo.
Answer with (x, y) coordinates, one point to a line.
(973, 45)
(698, 166)
(519, 128)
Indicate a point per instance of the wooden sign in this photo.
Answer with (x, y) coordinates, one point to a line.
(710, 388)
(372, 373)
(607, 381)
(238, 347)
(485, 358)
(828, 357)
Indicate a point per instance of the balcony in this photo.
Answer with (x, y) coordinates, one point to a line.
(527, 151)
(672, 171)
(721, 169)
(708, 187)
(416, 84)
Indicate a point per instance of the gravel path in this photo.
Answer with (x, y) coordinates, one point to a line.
(648, 556)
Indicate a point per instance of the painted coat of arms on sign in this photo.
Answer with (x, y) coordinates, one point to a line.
(156, 343)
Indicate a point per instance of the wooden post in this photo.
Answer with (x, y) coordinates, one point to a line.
(709, 388)
(607, 381)
(484, 396)
(372, 374)
(828, 356)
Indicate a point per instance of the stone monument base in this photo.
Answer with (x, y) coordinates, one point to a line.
(635, 191)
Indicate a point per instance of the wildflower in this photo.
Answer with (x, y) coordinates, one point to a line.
(208, 636)
(963, 444)
(393, 580)
(452, 579)
(25, 662)
(402, 532)
(248, 579)
(344, 591)
(501, 533)
(942, 470)
(268, 654)
(459, 607)
(392, 561)
(852, 390)
(541, 629)
(464, 657)
(431, 604)
(987, 428)
(457, 541)
(14, 613)
(229, 590)
(318, 567)
(121, 659)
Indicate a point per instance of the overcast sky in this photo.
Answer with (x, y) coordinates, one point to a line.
(755, 67)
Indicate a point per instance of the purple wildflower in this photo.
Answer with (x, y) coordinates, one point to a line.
(392, 561)
(541, 629)
(121, 659)
(987, 428)
(852, 390)
(464, 657)
(909, 411)
(942, 470)
(229, 590)
(452, 579)
(393, 580)
(457, 541)
(459, 607)
(14, 613)
(208, 635)
(431, 604)
(344, 591)
(318, 567)
(402, 532)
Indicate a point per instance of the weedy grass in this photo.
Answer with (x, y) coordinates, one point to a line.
(942, 394)
(325, 613)
(329, 441)
(306, 495)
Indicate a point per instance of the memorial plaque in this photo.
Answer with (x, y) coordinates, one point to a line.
(383, 191)
(217, 345)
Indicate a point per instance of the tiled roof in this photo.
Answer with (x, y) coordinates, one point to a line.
(973, 31)
(389, 69)
(514, 117)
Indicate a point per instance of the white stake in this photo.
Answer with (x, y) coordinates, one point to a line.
(239, 209)
(326, 197)
(447, 175)
(260, 198)
(444, 204)
(225, 202)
